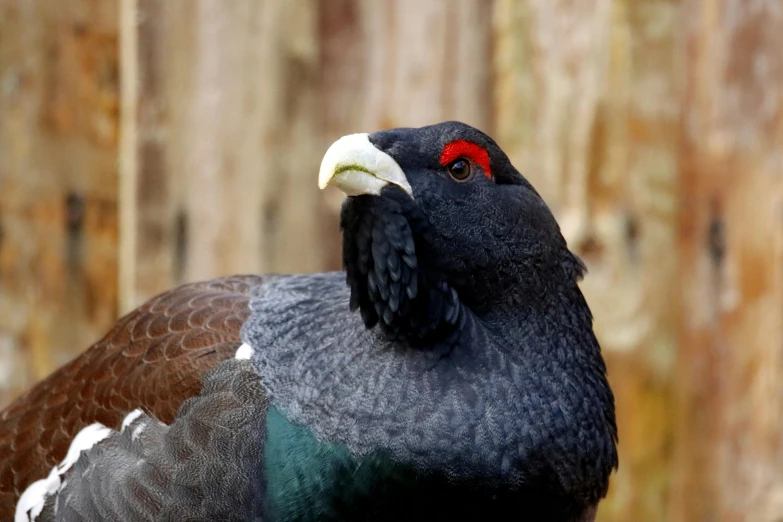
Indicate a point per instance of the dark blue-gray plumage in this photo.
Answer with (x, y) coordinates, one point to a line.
(450, 372)
(202, 467)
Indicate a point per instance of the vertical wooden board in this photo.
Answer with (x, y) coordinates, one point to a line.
(425, 62)
(58, 137)
(228, 147)
(730, 452)
(213, 77)
(149, 240)
(294, 236)
(389, 64)
(127, 160)
(586, 104)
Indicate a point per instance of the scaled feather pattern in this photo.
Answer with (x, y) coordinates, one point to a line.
(449, 372)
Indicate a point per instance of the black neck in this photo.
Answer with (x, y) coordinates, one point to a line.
(398, 283)
(384, 242)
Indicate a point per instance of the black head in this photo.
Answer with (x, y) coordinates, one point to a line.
(462, 226)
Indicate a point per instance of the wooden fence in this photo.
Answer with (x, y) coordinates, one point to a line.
(145, 143)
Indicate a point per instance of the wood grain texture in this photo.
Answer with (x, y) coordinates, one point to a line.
(157, 353)
(58, 198)
(226, 143)
(730, 408)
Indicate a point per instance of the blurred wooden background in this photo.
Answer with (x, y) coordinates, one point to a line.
(144, 143)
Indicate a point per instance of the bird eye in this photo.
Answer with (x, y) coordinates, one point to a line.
(460, 169)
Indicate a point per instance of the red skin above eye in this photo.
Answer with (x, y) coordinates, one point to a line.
(462, 148)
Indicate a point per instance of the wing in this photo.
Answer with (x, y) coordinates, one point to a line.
(152, 359)
(205, 466)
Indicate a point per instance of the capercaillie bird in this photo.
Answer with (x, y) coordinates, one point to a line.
(450, 372)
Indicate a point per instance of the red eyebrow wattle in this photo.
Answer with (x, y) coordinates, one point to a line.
(467, 149)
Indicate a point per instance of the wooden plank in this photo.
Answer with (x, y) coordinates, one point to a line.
(58, 137)
(227, 141)
(384, 67)
(151, 232)
(128, 157)
(730, 450)
(586, 104)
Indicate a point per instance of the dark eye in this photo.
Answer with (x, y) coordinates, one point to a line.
(460, 169)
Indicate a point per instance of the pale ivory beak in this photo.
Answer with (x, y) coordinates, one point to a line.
(356, 167)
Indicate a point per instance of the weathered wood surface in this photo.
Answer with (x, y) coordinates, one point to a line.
(730, 378)
(226, 142)
(58, 183)
(654, 128)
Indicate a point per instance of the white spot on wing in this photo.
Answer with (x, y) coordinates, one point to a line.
(32, 501)
(244, 352)
(129, 418)
(137, 431)
(84, 440)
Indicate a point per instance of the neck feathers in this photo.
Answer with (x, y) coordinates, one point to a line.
(389, 284)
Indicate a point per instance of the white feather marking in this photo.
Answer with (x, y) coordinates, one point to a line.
(129, 418)
(137, 430)
(84, 440)
(32, 501)
(244, 352)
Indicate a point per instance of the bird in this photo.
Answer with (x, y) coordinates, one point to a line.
(449, 371)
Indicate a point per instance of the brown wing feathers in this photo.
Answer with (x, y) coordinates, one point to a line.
(152, 359)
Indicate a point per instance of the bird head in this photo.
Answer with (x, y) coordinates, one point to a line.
(437, 219)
